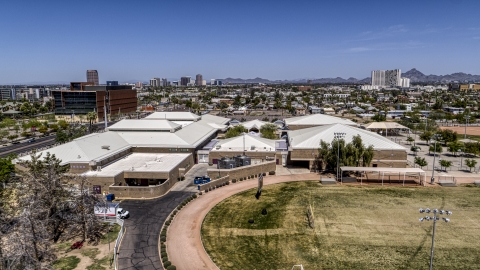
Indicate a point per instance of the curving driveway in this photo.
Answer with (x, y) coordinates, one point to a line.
(139, 247)
(184, 239)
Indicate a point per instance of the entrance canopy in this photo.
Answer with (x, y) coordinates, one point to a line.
(388, 171)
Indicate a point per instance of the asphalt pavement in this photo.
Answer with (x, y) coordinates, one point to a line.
(139, 248)
(26, 146)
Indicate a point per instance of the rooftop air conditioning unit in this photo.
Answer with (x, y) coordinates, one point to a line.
(252, 147)
(99, 168)
(106, 147)
(218, 147)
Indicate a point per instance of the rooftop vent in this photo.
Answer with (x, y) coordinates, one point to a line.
(79, 157)
(106, 147)
(218, 147)
(252, 147)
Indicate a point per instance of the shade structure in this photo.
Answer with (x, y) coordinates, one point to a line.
(382, 171)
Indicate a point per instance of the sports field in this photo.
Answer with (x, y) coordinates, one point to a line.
(354, 228)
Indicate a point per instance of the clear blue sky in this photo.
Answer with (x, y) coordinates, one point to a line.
(50, 41)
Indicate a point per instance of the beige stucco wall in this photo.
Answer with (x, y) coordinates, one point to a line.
(245, 171)
(141, 192)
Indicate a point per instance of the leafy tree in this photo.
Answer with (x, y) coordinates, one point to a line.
(63, 124)
(3, 134)
(91, 117)
(43, 129)
(415, 149)
(426, 136)
(448, 135)
(454, 147)
(438, 149)
(445, 163)
(268, 131)
(235, 131)
(421, 162)
(410, 139)
(54, 127)
(61, 136)
(379, 117)
(472, 148)
(471, 163)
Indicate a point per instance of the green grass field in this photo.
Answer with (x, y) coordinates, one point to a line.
(355, 228)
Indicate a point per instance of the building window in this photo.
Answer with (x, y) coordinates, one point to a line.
(173, 149)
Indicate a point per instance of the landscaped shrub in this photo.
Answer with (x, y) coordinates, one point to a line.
(167, 263)
(163, 234)
(172, 267)
(175, 212)
(194, 196)
(200, 193)
(248, 177)
(179, 207)
(234, 180)
(252, 176)
(206, 190)
(264, 174)
(228, 183)
(164, 259)
(271, 172)
(163, 238)
(164, 254)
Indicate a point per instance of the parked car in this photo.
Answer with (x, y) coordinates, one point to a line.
(31, 140)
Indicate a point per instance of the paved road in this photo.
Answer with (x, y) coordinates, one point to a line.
(139, 248)
(25, 147)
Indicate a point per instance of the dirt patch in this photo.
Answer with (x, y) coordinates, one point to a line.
(461, 130)
(86, 253)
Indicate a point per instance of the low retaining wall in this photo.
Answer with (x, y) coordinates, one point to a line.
(215, 182)
(141, 192)
(244, 171)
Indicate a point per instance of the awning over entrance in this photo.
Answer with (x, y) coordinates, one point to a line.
(388, 171)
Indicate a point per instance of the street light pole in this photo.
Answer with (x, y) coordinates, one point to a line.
(434, 218)
(437, 137)
(467, 117)
(338, 136)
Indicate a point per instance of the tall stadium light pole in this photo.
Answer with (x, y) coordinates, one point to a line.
(436, 137)
(338, 136)
(434, 218)
(467, 117)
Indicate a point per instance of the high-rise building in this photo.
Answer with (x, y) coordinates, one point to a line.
(184, 81)
(112, 83)
(164, 82)
(212, 81)
(198, 79)
(405, 82)
(155, 82)
(389, 78)
(378, 77)
(92, 76)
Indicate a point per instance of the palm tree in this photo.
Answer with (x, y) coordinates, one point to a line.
(91, 116)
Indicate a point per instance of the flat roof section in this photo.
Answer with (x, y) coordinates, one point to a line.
(141, 162)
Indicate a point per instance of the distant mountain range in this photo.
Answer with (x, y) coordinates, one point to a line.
(414, 75)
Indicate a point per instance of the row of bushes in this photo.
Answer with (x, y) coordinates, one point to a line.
(163, 234)
(253, 176)
(216, 186)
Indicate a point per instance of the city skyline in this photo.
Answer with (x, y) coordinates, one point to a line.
(287, 40)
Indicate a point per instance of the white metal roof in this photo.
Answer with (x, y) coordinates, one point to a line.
(317, 120)
(253, 124)
(141, 162)
(95, 146)
(215, 119)
(178, 116)
(237, 144)
(143, 125)
(309, 138)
